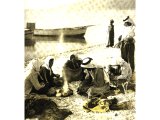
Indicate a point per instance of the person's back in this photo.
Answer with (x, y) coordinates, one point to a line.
(72, 65)
(72, 70)
(31, 76)
(74, 62)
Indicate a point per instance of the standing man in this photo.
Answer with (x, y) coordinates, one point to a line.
(127, 42)
(111, 34)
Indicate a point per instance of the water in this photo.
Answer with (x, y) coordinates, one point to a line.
(58, 19)
(49, 45)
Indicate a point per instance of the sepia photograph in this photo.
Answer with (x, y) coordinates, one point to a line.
(80, 59)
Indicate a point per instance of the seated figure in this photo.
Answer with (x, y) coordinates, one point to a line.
(43, 81)
(120, 73)
(96, 82)
(72, 70)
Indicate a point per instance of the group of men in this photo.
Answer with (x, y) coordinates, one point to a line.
(96, 80)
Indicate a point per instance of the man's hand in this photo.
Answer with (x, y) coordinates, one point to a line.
(42, 85)
(57, 75)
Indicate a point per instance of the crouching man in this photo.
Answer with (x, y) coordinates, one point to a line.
(96, 82)
(120, 74)
(42, 80)
(72, 70)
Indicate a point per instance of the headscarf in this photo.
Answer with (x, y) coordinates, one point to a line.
(75, 63)
(130, 20)
(33, 67)
(90, 63)
(46, 62)
(74, 56)
(128, 31)
(120, 61)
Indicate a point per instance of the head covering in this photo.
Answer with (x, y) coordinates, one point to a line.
(74, 56)
(46, 62)
(128, 28)
(126, 18)
(111, 21)
(34, 64)
(88, 63)
(120, 61)
(116, 61)
(128, 21)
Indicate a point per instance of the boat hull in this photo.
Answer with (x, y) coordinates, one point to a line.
(29, 37)
(66, 32)
(28, 34)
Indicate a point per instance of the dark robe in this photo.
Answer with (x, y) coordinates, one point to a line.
(130, 47)
(111, 36)
(49, 76)
(127, 48)
(73, 71)
(98, 86)
(73, 65)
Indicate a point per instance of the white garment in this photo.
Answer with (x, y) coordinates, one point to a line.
(31, 75)
(126, 71)
(128, 32)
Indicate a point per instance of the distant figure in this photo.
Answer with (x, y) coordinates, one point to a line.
(111, 34)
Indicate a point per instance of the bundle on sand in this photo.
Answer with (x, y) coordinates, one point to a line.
(44, 109)
(104, 105)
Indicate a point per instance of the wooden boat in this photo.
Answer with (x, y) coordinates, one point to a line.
(66, 32)
(28, 34)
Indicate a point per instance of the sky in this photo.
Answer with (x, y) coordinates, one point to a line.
(48, 14)
(107, 4)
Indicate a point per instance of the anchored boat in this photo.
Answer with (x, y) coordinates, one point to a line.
(67, 32)
(28, 35)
